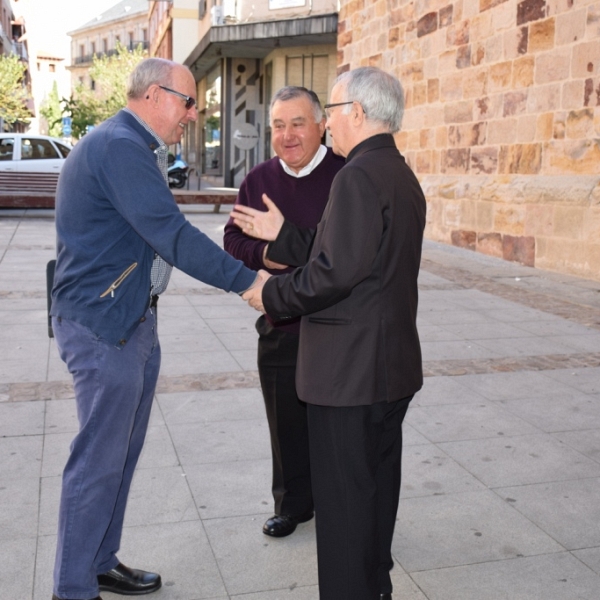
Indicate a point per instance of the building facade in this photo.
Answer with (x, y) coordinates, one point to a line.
(13, 40)
(502, 122)
(245, 53)
(126, 23)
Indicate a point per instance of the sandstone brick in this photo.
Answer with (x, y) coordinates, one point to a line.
(441, 136)
(544, 127)
(509, 219)
(475, 83)
(451, 87)
(569, 221)
(591, 231)
(420, 93)
(586, 59)
(539, 220)
(571, 94)
(516, 42)
(463, 57)
(580, 124)
(381, 8)
(393, 37)
(494, 48)
(433, 90)
(526, 129)
(477, 54)
(522, 159)
(572, 156)
(458, 34)
(502, 131)
(519, 249)
(591, 92)
(488, 107)
(414, 140)
(427, 24)
(480, 26)
(487, 4)
(446, 14)
(490, 244)
(560, 126)
(593, 22)
(484, 215)
(458, 112)
(344, 39)
(427, 138)
(555, 7)
(467, 135)
(424, 162)
(464, 239)
(553, 66)
(455, 161)
(401, 139)
(530, 10)
(503, 17)
(570, 27)
(447, 61)
(375, 60)
(484, 161)
(544, 98)
(500, 76)
(515, 103)
(541, 35)
(523, 72)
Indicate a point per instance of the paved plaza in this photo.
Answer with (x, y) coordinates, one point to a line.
(501, 470)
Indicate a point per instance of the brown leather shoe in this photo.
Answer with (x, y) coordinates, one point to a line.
(129, 582)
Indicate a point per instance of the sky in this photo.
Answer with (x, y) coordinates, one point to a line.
(48, 21)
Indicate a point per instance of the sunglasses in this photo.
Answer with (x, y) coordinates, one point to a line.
(189, 101)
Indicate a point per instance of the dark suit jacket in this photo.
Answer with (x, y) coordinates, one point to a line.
(358, 291)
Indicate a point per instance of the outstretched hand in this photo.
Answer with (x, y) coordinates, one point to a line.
(253, 295)
(264, 225)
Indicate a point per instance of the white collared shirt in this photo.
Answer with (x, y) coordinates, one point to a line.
(311, 166)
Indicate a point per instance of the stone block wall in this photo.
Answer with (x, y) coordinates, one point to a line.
(502, 121)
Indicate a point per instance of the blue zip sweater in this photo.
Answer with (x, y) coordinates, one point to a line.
(113, 211)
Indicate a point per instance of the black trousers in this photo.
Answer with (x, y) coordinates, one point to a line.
(286, 414)
(356, 455)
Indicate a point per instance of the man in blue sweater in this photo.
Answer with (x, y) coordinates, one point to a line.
(119, 233)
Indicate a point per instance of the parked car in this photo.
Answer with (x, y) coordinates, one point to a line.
(29, 165)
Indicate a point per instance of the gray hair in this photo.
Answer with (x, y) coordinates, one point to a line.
(379, 93)
(291, 92)
(148, 72)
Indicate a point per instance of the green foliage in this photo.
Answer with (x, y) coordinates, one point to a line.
(52, 112)
(13, 94)
(110, 74)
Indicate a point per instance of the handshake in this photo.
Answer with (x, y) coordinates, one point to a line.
(253, 295)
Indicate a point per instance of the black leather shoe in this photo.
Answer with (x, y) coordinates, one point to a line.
(55, 597)
(282, 525)
(129, 582)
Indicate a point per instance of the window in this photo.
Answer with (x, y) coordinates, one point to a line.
(309, 71)
(104, 45)
(93, 47)
(64, 150)
(81, 50)
(35, 148)
(6, 148)
(52, 67)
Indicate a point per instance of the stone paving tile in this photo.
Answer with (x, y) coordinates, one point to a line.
(565, 510)
(553, 577)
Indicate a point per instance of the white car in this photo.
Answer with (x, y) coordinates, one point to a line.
(30, 163)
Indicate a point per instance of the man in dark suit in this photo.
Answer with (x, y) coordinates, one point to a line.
(359, 361)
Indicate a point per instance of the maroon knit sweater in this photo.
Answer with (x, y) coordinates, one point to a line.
(301, 200)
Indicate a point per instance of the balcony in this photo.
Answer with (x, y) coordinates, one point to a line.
(88, 58)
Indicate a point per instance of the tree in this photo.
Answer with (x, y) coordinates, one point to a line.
(110, 73)
(52, 112)
(13, 93)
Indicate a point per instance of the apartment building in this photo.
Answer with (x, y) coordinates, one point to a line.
(125, 23)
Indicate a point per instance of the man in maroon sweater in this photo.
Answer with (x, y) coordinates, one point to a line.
(298, 179)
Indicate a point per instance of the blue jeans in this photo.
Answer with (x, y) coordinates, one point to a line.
(114, 389)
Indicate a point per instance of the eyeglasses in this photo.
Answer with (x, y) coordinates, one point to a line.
(326, 107)
(189, 101)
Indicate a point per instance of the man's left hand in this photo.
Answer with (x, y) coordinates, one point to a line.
(254, 295)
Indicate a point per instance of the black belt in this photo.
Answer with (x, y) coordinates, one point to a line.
(153, 301)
